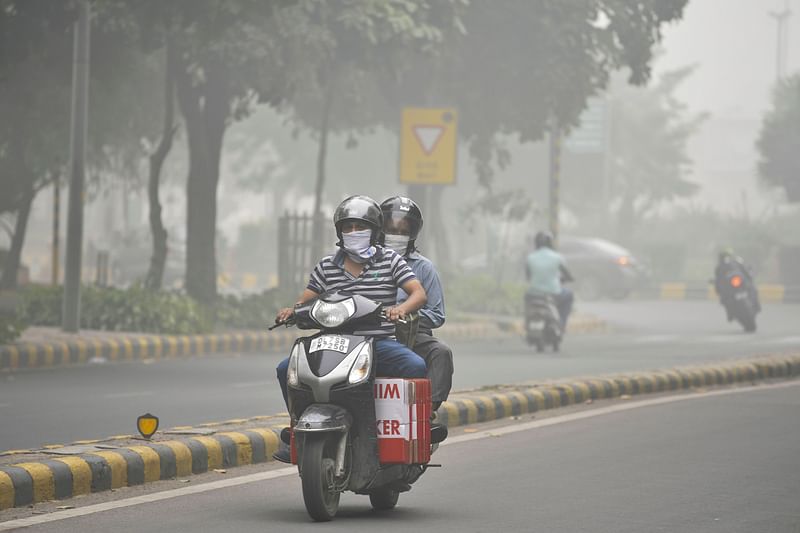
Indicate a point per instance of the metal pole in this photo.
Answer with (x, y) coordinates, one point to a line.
(56, 230)
(555, 179)
(782, 19)
(80, 95)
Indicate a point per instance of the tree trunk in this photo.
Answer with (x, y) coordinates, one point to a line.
(155, 274)
(205, 110)
(11, 266)
(322, 154)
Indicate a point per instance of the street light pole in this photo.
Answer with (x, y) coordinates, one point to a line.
(782, 20)
(80, 95)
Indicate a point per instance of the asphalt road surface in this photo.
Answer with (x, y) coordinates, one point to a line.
(60, 405)
(716, 462)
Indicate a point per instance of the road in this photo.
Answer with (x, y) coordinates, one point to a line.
(716, 462)
(60, 405)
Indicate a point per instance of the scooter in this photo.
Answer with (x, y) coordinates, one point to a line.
(542, 324)
(737, 296)
(350, 430)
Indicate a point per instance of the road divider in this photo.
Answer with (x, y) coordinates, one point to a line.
(102, 346)
(39, 478)
(699, 290)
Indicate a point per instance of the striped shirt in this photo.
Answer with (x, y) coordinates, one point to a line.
(383, 274)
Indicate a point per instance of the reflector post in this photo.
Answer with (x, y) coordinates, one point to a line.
(147, 425)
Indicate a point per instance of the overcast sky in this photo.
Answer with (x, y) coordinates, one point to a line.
(733, 42)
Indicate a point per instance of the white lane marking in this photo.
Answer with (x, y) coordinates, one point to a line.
(283, 472)
(248, 384)
(114, 395)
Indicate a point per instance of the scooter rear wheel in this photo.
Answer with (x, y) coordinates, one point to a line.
(384, 498)
(319, 494)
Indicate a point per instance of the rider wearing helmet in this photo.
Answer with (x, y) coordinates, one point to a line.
(727, 262)
(362, 266)
(402, 222)
(546, 269)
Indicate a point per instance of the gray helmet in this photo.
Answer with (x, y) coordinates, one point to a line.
(361, 208)
(542, 239)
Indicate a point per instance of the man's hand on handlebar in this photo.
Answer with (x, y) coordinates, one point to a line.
(284, 315)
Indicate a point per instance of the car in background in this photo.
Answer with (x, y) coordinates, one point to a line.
(601, 268)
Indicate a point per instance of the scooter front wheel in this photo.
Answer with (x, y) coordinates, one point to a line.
(319, 492)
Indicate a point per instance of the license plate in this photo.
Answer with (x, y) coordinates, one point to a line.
(536, 325)
(330, 342)
(740, 295)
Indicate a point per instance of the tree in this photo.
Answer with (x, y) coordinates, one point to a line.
(525, 67)
(648, 162)
(344, 49)
(779, 140)
(34, 104)
(521, 66)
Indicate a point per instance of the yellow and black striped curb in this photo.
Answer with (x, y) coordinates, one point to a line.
(768, 293)
(23, 484)
(137, 347)
(495, 405)
(140, 346)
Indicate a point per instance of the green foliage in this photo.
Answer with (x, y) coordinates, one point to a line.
(779, 141)
(110, 309)
(256, 311)
(482, 294)
(684, 244)
(11, 327)
(519, 64)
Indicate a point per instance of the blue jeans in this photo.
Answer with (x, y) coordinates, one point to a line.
(393, 360)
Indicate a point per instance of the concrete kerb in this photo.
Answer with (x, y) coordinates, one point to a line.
(121, 347)
(38, 480)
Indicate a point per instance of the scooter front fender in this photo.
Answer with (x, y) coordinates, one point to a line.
(321, 417)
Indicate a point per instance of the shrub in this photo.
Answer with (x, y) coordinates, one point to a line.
(482, 294)
(11, 327)
(255, 311)
(133, 309)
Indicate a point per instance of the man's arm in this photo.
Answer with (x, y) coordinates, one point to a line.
(433, 314)
(287, 312)
(416, 299)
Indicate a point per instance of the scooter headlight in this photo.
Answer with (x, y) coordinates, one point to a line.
(332, 315)
(362, 365)
(291, 376)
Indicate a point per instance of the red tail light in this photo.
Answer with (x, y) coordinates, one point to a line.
(736, 281)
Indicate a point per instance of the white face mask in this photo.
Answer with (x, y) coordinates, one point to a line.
(398, 243)
(357, 246)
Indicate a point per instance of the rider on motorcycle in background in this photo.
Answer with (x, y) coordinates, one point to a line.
(402, 222)
(545, 271)
(728, 262)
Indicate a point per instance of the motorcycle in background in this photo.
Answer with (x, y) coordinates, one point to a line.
(542, 324)
(736, 293)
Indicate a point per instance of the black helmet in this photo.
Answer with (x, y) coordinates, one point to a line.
(403, 208)
(361, 208)
(542, 239)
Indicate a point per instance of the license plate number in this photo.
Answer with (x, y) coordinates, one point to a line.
(330, 342)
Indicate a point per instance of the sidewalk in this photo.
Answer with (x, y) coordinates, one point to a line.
(47, 347)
